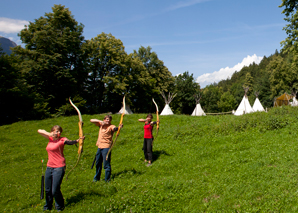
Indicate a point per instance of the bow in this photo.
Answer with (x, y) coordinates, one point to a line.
(81, 141)
(118, 132)
(157, 117)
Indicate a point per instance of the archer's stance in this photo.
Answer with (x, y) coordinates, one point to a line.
(104, 142)
(55, 166)
(148, 138)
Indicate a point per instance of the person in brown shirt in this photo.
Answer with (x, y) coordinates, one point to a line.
(104, 142)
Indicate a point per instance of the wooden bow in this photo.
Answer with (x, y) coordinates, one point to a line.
(81, 134)
(157, 117)
(118, 132)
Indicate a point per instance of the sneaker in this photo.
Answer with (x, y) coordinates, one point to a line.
(94, 180)
(149, 164)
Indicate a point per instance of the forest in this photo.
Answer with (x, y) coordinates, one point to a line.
(57, 62)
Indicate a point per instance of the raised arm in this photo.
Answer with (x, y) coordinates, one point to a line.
(97, 122)
(44, 133)
(142, 120)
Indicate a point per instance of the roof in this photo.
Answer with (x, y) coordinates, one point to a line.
(284, 99)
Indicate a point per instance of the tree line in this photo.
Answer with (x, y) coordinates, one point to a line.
(56, 63)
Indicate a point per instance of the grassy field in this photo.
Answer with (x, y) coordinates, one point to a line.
(201, 164)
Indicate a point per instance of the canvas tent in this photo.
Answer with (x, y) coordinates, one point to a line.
(294, 102)
(167, 110)
(127, 110)
(284, 99)
(198, 111)
(244, 107)
(257, 104)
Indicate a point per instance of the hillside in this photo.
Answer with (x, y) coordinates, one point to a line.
(5, 44)
(201, 164)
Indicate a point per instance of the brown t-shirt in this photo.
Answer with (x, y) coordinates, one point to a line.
(105, 136)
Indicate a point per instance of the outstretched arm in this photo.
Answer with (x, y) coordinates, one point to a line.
(97, 122)
(69, 142)
(116, 128)
(142, 120)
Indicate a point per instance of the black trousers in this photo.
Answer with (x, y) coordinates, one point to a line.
(147, 147)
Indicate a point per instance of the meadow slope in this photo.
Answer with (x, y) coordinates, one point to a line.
(201, 164)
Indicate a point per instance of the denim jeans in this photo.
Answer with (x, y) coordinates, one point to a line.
(53, 180)
(101, 158)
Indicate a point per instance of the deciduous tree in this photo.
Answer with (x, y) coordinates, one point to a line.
(51, 59)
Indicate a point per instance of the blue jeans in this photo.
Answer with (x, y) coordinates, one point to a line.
(101, 158)
(53, 180)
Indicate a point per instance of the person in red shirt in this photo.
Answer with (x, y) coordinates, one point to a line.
(104, 142)
(55, 166)
(148, 138)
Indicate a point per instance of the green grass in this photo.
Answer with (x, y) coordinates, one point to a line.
(201, 164)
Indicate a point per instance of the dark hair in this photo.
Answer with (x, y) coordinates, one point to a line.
(59, 128)
(108, 116)
(150, 115)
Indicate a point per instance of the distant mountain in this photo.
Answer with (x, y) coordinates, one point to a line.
(5, 44)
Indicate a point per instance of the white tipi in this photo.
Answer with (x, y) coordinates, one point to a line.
(198, 111)
(167, 110)
(295, 102)
(127, 110)
(244, 107)
(257, 104)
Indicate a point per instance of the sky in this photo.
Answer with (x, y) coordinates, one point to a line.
(210, 39)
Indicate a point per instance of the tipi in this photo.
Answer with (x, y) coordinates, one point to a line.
(244, 107)
(198, 111)
(282, 100)
(295, 102)
(257, 104)
(127, 110)
(167, 110)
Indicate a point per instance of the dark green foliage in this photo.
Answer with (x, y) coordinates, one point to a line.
(51, 60)
(159, 79)
(227, 102)
(210, 98)
(16, 101)
(185, 88)
(105, 63)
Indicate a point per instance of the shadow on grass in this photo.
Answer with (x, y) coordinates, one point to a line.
(126, 173)
(158, 153)
(82, 195)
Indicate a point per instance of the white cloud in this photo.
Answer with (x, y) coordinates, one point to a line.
(182, 4)
(8, 25)
(224, 73)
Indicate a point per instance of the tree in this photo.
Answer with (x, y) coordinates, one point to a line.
(227, 102)
(161, 78)
(248, 82)
(51, 59)
(107, 74)
(16, 101)
(210, 97)
(185, 88)
(283, 75)
(290, 44)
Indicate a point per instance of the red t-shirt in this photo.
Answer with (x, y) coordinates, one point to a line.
(55, 152)
(148, 130)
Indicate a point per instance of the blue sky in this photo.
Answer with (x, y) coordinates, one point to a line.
(210, 39)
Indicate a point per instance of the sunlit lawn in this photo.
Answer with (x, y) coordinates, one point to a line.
(201, 164)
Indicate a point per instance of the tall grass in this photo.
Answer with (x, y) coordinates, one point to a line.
(201, 164)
